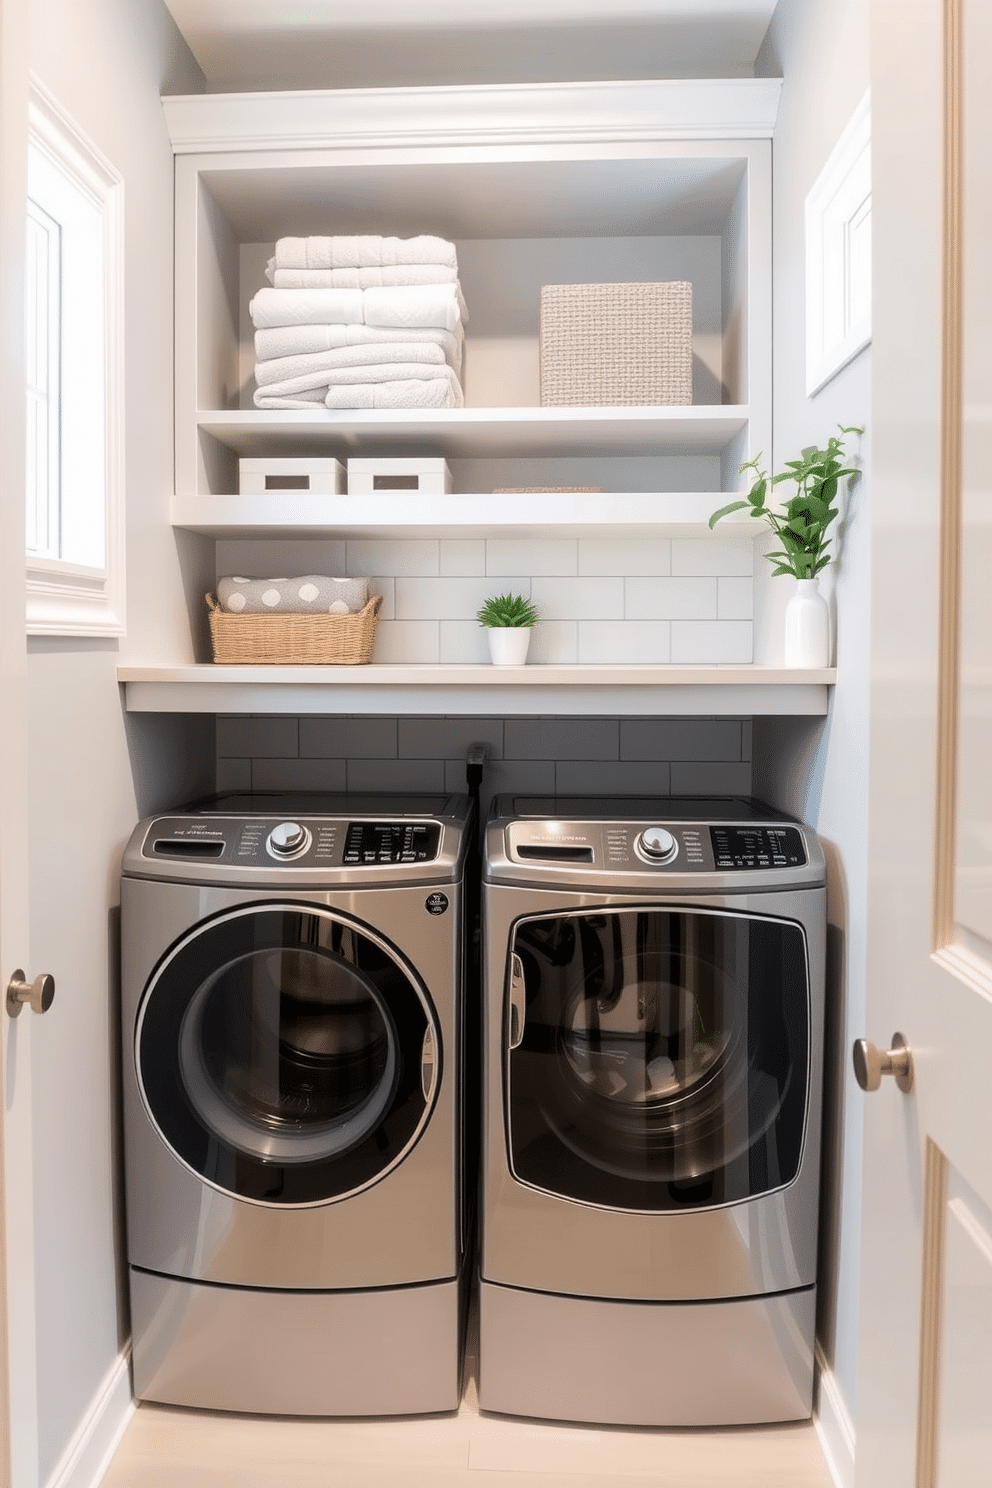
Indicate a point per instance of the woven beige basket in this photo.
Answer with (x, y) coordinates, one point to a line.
(294, 640)
(608, 344)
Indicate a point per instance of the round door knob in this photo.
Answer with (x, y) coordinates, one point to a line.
(288, 839)
(658, 844)
(39, 994)
(870, 1064)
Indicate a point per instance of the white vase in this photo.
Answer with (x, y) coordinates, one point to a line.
(807, 626)
(508, 644)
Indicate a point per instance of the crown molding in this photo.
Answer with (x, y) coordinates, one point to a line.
(509, 114)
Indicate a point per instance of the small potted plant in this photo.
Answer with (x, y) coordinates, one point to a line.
(801, 527)
(508, 620)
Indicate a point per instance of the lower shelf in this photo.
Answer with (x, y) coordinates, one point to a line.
(676, 691)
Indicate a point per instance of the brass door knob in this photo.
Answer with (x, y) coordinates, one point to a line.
(870, 1064)
(39, 994)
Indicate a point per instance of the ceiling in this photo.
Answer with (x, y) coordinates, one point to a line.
(246, 45)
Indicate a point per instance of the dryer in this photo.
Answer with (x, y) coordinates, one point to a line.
(654, 976)
(292, 1021)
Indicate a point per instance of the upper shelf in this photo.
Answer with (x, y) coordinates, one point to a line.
(673, 691)
(481, 432)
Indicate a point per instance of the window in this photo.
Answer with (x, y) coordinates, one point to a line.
(75, 510)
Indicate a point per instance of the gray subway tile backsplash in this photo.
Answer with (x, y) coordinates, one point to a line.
(543, 755)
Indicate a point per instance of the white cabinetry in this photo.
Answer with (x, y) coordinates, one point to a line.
(535, 184)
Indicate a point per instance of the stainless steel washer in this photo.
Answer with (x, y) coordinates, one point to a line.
(653, 1049)
(292, 983)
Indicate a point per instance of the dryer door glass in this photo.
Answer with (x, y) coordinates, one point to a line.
(658, 1059)
(287, 1056)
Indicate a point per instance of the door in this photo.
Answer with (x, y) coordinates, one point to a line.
(660, 1058)
(286, 1054)
(18, 1415)
(925, 1365)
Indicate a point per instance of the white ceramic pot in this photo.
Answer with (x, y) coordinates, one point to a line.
(508, 644)
(807, 626)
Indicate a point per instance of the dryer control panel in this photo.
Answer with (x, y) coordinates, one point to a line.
(301, 842)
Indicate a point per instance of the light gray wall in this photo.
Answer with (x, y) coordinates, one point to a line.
(92, 770)
(821, 49)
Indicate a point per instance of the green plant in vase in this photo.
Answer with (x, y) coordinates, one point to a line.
(801, 524)
(508, 619)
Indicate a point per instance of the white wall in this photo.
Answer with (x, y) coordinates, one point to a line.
(821, 49)
(93, 771)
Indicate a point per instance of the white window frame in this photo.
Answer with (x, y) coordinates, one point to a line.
(66, 597)
(838, 254)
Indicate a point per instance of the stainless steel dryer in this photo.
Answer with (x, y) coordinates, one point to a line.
(292, 977)
(653, 1048)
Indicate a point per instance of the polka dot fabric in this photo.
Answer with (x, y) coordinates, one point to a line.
(311, 594)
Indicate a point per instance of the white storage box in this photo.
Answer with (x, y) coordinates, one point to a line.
(430, 476)
(268, 476)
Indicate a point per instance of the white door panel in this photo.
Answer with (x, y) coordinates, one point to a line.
(925, 1368)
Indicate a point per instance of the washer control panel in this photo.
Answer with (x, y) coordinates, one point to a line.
(318, 842)
(673, 847)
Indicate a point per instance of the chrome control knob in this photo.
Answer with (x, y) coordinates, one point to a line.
(657, 844)
(288, 840)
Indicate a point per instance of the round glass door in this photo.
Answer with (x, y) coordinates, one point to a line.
(286, 1055)
(660, 1057)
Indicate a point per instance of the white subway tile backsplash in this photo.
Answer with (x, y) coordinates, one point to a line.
(670, 599)
(393, 556)
(401, 641)
(734, 599)
(442, 599)
(529, 557)
(624, 556)
(631, 641)
(711, 642)
(681, 739)
(463, 641)
(346, 737)
(578, 599)
(562, 738)
(269, 558)
(462, 556)
(554, 641)
(614, 777)
(387, 588)
(702, 556)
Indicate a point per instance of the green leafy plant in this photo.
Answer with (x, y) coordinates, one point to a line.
(503, 611)
(802, 523)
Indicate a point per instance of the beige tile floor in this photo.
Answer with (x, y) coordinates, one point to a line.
(168, 1448)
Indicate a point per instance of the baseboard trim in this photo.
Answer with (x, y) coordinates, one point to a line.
(833, 1423)
(88, 1454)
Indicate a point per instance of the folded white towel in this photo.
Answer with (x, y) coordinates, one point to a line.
(286, 341)
(361, 251)
(435, 305)
(434, 392)
(294, 307)
(423, 305)
(291, 387)
(305, 401)
(356, 358)
(372, 277)
(308, 594)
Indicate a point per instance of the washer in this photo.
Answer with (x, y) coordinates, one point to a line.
(292, 982)
(653, 1062)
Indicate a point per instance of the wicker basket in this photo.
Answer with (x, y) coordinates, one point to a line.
(294, 640)
(609, 344)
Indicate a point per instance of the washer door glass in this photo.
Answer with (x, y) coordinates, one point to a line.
(658, 1059)
(286, 1055)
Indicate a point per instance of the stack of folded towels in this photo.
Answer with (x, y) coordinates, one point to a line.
(360, 322)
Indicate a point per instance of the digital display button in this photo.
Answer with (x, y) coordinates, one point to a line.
(392, 842)
(757, 847)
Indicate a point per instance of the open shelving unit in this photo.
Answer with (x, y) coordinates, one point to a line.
(534, 184)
